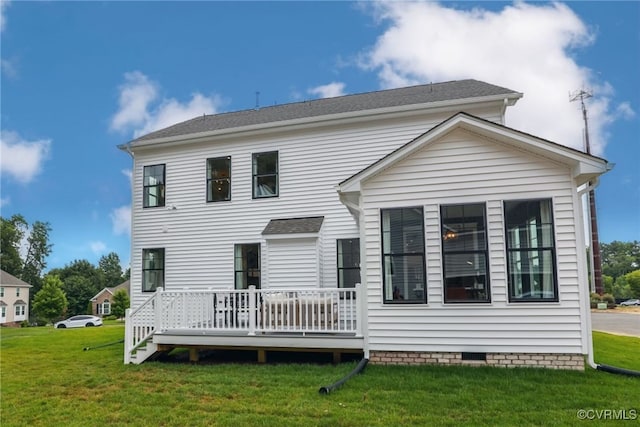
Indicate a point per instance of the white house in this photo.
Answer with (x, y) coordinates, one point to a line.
(14, 299)
(411, 225)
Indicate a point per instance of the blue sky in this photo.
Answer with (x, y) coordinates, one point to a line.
(79, 78)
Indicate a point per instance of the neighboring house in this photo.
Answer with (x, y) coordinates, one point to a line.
(14, 300)
(102, 301)
(411, 225)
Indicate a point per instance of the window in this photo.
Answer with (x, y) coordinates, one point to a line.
(20, 310)
(403, 262)
(530, 250)
(3, 312)
(1, 292)
(106, 307)
(153, 186)
(464, 253)
(247, 266)
(219, 179)
(17, 292)
(265, 175)
(348, 263)
(152, 269)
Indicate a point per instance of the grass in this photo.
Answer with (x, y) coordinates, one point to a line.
(48, 380)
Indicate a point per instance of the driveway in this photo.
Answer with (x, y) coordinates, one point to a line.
(616, 323)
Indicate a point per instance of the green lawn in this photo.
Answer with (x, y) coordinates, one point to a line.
(48, 380)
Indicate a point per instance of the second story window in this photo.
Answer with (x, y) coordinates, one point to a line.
(265, 174)
(219, 179)
(153, 186)
(17, 292)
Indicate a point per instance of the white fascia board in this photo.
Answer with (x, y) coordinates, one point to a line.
(456, 105)
(290, 236)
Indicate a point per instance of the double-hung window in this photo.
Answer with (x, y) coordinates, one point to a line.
(348, 263)
(464, 252)
(530, 250)
(403, 255)
(17, 292)
(152, 269)
(247, 265)
(219, 179)
(265, 175)
(153, 186)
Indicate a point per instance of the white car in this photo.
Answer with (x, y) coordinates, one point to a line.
(79, 322)
(631, 302)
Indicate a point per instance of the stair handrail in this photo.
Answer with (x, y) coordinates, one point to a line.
(133, 342)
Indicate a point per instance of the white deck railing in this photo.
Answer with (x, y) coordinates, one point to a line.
(253, 311)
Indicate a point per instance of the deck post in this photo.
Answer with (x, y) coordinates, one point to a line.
(360, 301)
(128, 333)
(157, 313)
(252, 310)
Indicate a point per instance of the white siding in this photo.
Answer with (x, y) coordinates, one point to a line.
(466, 168)
(293, 263)
(198, 237)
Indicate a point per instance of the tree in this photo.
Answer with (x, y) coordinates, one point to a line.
(50, 303)
(620, 258)
(633, 280)
(79, 291)
(12, 230)
(38, 249)
(111, 269)
(120, 303)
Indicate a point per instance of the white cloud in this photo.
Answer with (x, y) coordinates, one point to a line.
(121, 220)
(3, 20)
(5, 201)
(141, 110)
(328, 91)
(22, 159)
(98, 247)
(129, 174)
(525, 47)
(8, 68)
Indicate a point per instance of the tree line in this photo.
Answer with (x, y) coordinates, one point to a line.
(621, 268)
(62, 291)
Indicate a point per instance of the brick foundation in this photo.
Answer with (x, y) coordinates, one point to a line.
(507, 360)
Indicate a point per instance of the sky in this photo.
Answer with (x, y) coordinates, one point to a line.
(80, 78)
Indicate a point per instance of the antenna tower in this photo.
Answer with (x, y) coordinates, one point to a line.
(595, 259)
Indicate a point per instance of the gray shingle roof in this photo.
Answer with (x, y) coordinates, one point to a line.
(294, 225)
(8, 279)
(421, 94)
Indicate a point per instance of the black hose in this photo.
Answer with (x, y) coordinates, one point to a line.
(329, 388)
(103, 345)
(621, 371)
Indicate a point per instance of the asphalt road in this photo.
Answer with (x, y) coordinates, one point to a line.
(616, 323)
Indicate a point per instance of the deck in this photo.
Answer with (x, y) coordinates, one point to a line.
(324, 319)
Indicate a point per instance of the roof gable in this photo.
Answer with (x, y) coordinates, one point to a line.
(351, 105)
(585, 167)
(7, 279)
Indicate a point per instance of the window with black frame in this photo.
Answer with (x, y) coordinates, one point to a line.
(247, 265)
(348, 263)
(464, 253)
(219, 179)
(265, 174)
(152, 269)
(403, 255)
(153, 186)
(531, 263)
